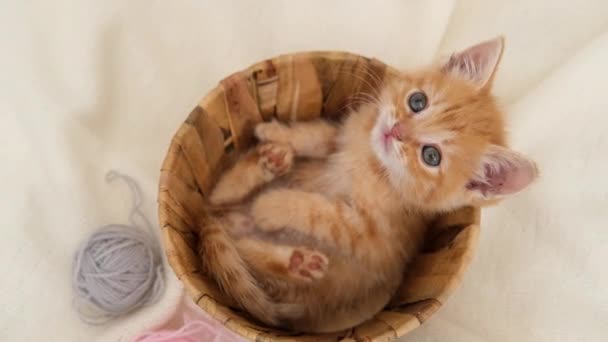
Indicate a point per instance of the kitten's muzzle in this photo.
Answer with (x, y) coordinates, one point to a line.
(399, 131)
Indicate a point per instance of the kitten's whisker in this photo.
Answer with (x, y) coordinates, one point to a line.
(374, 76)
(361, 101)
(366, 96)
(363, 97)
(349, 104)
(374, 89)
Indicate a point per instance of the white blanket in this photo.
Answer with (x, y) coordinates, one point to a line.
(86, 86)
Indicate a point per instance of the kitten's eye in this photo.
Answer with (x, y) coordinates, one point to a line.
(417, 101)
(431, 155)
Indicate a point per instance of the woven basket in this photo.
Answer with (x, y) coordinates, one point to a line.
(298, 86)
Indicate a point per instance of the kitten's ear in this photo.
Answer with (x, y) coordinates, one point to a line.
(477, 63)
(501, 172)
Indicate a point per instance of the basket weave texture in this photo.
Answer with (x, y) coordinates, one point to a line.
(299, 86)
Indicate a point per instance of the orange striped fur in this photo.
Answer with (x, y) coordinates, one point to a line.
(327, 216)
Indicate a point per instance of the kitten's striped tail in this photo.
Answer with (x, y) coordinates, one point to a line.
(222, 261)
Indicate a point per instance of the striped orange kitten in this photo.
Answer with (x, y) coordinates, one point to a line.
(326, 217)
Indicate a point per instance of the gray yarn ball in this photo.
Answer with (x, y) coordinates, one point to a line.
(118, 268)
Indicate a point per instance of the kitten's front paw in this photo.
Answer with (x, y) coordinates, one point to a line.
(275, 159)
(272, 131)
(307, 265)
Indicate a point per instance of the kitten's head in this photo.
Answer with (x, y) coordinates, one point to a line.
(441, 137)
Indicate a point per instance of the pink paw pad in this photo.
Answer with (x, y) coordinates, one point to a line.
(275, 158)
(306, 264)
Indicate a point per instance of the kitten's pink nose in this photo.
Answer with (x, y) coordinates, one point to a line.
(400, 131)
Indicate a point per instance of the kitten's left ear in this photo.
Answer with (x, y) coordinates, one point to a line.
(501, 172)
(478, 63)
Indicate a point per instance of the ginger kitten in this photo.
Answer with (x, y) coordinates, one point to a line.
(323, 218)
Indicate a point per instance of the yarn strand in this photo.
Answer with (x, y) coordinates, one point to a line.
(118, 269)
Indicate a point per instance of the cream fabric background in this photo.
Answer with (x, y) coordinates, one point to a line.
(86, 86)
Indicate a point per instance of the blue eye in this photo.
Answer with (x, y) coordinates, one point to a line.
(417, 101)
(431, 155)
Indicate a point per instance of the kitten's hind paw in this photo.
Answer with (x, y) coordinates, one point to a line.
(275, 159)
(307, 265)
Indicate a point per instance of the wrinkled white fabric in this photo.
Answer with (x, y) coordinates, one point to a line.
(87, 86)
